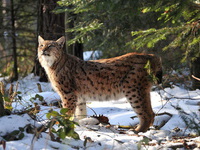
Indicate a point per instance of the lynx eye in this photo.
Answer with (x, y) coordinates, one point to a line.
(50, 46)
(41, 45)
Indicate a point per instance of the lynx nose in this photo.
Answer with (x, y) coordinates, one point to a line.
(45, 52)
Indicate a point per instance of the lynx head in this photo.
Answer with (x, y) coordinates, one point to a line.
(50, 51)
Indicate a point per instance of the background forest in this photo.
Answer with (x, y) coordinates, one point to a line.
(30, 110)
(169, 29)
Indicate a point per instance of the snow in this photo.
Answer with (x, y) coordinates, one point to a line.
(92, 55)
(101, 137)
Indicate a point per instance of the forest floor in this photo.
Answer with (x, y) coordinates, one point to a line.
(176, 126)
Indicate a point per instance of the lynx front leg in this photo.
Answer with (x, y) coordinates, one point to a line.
(139, 98)
(69, 101)
(81, 111)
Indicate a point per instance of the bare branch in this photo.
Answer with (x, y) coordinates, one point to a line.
(195, 78)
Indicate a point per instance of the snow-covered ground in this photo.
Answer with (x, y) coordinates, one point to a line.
(173, 133)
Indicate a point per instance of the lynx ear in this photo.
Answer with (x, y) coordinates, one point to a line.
(40, 39)
(61, 41)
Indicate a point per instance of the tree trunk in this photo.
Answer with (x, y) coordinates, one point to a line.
(51, 26)
(195, 70)
(1, 20)
(1, 31)
(14, 47)
(77, 48)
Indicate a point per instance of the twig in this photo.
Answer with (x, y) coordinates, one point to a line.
(164, 113)
(12, 96)
(195, 78)
(162, 98)
(92, 110)
(161, 125)
(11, 89)
(164, 121)
(2, 88)
(39, 87)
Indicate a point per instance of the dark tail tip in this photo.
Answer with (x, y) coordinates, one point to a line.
(159, 77)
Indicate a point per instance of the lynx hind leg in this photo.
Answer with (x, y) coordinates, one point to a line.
(81, 111)
(139, 98)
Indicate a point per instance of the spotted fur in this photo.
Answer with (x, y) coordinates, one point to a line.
(77, 81)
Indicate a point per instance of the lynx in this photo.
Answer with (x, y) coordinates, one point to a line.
(77, 81)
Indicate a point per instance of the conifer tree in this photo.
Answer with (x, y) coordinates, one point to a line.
(181, 24)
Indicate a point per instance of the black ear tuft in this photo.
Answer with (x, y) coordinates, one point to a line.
(61, 41)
